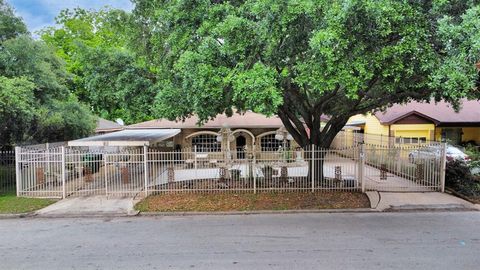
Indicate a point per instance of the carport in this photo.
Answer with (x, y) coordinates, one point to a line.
(113, 163)
(136, 137)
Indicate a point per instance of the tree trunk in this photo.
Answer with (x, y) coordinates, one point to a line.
(316, 153)
(316, 160)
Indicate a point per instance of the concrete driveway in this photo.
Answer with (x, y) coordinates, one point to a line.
(90, 206)
(401, 201)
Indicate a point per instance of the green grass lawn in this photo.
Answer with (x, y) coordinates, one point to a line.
(11, 204)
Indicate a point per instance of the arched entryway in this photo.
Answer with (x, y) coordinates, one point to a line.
(240, 142)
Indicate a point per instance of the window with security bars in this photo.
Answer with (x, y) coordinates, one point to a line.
(269, 143)
(206, 143)
(410, 140)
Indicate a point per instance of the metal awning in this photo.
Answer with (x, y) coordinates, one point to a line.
(356, 123)
(137, 137)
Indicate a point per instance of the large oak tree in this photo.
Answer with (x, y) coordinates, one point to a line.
(300, 59)
(106, 73)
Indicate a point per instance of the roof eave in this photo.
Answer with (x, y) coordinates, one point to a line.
(393, 121)
(458, 124)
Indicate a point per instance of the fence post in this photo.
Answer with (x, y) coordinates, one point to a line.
(195, 159)
(443, 164)
(63, 173)
(47, 152)
(362, 167)
(254, 173)
(18, 177)
(145, 168)
(105, 176)
(313, 167)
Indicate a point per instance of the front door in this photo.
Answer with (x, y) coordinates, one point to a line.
(241, 142)
(452, 135)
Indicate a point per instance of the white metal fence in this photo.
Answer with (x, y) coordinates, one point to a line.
(68, 171)
(404, 168)
(349, 138)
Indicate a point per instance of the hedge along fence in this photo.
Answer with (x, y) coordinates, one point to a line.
(7, 171)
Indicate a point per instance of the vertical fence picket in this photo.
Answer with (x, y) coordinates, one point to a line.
(362, 157)
(106, 172)
(18, 176)
(443, 163)
(63, 173)
(312, 164)
(145, 169)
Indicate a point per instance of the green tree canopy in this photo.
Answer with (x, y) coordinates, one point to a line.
(305, 58)
(117, 87)
(10, 25)
(35, 102)
(16, 113)
(63, 120)
(23, 56)
(106, 74)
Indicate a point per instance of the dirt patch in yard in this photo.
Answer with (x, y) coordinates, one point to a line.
(248, 202)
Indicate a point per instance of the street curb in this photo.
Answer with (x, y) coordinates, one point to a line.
(430, 208)
(88, 215)
(19, 215)
(260, 212)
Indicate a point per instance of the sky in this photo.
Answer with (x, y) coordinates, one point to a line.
(38, 14)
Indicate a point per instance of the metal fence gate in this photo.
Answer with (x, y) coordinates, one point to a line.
(404, 169)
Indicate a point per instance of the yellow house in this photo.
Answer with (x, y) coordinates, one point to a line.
(417, 122)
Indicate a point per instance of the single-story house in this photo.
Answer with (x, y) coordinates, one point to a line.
(241, 133)
(415, 122)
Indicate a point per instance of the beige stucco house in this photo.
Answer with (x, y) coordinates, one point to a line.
(241, 134)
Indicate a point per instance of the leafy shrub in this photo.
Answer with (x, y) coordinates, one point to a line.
(474, 153)
(459, 178)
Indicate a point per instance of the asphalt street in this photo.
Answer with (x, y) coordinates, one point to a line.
(421, 240)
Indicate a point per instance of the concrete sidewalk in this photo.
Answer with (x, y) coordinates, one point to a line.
(90, 206)
(398, 201)
(100, 206)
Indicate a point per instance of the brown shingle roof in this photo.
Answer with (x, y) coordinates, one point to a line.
(246, 120)
(441, 113)
(104, 125)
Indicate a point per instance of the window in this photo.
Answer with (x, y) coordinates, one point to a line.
(269, 143)
(206, 143)
(413, 140)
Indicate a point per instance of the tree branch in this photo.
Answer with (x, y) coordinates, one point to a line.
(297, 132)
